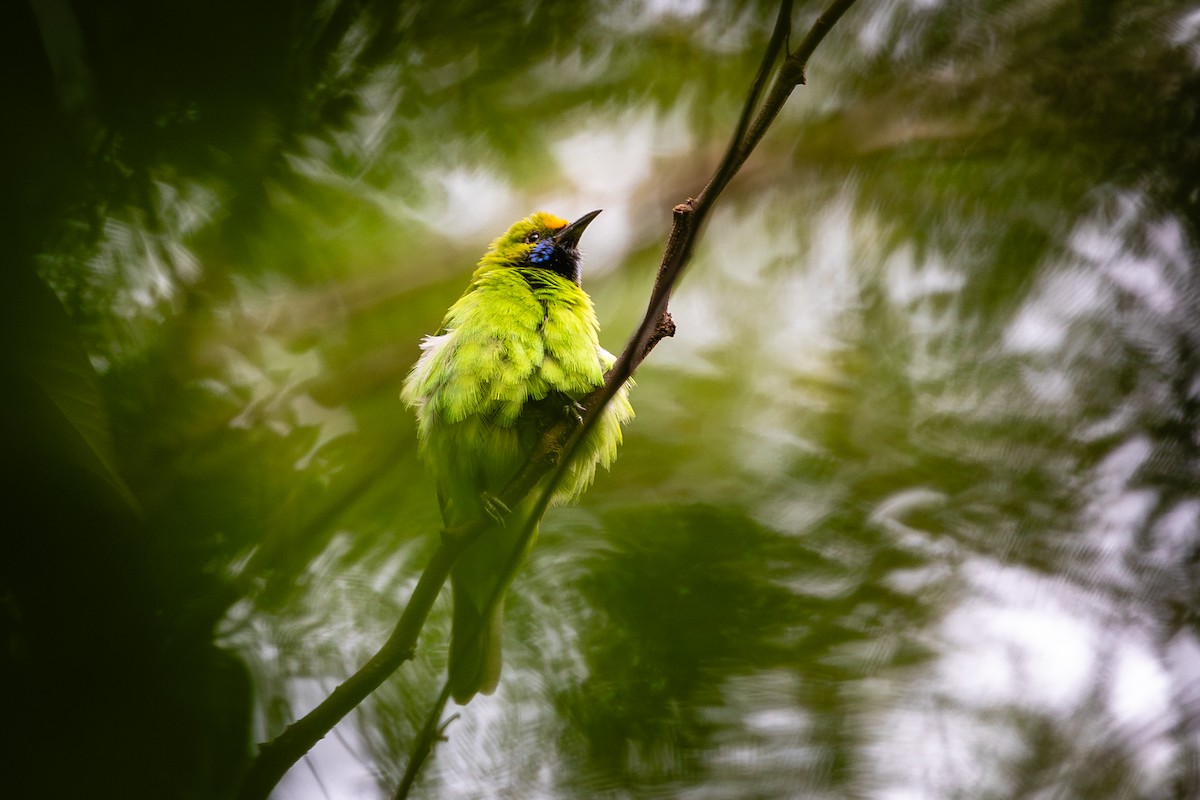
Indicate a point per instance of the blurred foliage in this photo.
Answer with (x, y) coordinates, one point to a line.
(911, 504)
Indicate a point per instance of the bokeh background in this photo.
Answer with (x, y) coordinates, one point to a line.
(911, 507)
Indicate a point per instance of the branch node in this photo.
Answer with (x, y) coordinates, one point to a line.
(663, 329)
(666, 326)
(441, 731)
(792, 72)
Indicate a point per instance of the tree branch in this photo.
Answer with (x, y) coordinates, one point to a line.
(277, 756)
(552, 456)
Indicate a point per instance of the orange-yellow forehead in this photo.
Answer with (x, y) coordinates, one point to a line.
(550, 221)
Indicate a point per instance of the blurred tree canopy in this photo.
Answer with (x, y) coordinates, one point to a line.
(911, 507)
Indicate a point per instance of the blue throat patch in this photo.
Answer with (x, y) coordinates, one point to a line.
(547, 255)
(542, 252)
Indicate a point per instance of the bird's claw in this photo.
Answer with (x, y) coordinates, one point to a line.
(494, 507)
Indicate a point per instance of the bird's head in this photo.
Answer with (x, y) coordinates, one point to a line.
(541, 241)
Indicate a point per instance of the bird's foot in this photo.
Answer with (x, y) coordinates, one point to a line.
(556, 408)
(574, 412)
(494, 507)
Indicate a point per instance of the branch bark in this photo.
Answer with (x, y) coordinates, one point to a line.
(552, 457)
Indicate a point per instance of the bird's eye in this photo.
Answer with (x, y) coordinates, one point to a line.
(532, 237)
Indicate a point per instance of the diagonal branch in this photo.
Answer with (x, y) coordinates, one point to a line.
(552, 456)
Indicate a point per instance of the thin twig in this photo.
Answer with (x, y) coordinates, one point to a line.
(791, 75)
(737, 150)
(431, 732)
(558, 444)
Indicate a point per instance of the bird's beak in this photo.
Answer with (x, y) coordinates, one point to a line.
(568, 237)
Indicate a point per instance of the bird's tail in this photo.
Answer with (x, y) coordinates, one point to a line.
(486, 568)
(474, 645)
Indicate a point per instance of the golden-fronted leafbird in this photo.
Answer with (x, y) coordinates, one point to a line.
(520, 346)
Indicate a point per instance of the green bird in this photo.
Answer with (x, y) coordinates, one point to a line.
(519, 349)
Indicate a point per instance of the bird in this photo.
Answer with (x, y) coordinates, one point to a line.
(516, 351)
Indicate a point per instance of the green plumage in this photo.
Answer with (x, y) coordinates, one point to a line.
(520, 345)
